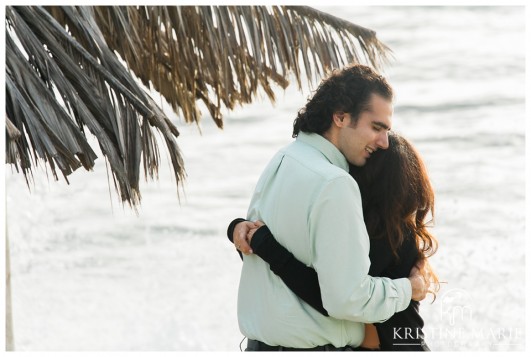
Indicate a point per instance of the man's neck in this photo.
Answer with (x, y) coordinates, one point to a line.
(332, 136)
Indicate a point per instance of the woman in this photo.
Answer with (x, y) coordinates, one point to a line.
(397, 197)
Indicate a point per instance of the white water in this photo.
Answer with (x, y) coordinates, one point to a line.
(88, 276)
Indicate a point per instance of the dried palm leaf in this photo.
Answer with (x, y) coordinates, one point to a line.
(65, 73)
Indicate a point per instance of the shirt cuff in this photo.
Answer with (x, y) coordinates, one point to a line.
(230, 229)
(403, 286)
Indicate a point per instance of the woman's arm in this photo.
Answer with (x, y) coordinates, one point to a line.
(301, 279)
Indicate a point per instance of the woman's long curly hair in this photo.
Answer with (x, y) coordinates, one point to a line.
(397, 198)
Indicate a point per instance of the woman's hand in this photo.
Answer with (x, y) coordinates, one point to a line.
(242, 235)
(251, 232)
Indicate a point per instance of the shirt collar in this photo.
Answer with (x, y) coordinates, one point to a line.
(329, 150)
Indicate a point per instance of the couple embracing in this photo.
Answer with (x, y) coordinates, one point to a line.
(335, 241)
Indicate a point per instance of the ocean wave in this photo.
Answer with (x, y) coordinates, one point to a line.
(450, 106)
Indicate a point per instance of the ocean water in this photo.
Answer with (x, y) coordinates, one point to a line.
(89, 274)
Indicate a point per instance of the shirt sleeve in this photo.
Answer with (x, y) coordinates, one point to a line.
(230, 231)
(339, 246)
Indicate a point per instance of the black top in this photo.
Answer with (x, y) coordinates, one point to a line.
(402, 332)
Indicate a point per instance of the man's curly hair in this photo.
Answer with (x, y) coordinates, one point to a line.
(348, 90)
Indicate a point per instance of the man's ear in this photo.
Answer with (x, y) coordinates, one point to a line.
(339, 119)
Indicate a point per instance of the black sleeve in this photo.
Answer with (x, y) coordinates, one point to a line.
(230, 231)
(302, 280)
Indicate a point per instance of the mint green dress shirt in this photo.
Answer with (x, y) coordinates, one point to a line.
(312, 206)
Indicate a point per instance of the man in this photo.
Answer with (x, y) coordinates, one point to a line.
(313, 208)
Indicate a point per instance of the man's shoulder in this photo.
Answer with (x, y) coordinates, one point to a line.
(313, 161)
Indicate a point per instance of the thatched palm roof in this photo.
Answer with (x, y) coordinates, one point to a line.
(65, 74)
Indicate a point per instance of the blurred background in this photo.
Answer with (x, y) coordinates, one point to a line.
(89, 274)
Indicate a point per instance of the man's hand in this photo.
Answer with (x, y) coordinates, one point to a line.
(239, 236)
(420, 282)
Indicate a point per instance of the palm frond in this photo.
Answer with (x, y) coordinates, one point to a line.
(65, 74)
